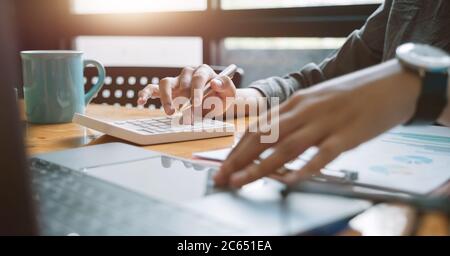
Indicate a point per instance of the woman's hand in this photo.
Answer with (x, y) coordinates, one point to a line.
(334, 116)
(189, 85)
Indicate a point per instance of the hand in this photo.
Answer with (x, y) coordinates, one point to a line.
(189, 85)
(334, 116)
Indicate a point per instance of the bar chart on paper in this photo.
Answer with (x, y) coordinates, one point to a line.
(410, 159)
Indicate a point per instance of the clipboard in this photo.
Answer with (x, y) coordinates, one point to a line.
(350, 189)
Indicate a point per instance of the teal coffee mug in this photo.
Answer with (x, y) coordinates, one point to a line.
(53, 85)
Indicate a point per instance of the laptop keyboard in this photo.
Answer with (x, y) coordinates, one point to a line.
(161, 125)
(73, 203)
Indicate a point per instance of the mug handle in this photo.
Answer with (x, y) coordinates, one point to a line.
(101, 79)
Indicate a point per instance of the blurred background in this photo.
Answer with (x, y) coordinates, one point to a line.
(264, 37)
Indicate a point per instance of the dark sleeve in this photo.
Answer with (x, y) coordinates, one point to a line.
(363, 48)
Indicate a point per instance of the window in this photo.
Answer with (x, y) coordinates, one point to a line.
(270, 42)
(283, 43)
(159, 51)
(135, 6)
(252, 4)
(142, 51)
(264, 57)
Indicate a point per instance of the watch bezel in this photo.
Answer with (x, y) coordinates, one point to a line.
(410, 55)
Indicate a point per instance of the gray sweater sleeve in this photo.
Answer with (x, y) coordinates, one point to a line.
(363, 48)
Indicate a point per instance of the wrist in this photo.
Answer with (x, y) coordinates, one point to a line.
(248, 93)
(246, 100)
(397, 87)
(410, 84)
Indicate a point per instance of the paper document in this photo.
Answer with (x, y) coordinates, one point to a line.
(215, 155)
(410, 159)
(222, 154)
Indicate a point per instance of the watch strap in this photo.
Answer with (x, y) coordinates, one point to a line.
(432, 99)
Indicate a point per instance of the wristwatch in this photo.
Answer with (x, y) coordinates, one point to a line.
(432, 65)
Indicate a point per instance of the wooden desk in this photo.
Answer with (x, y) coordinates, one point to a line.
(46, 138)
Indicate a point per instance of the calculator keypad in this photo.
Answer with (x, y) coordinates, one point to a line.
(165, 125)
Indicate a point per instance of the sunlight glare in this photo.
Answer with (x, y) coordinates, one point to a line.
(135, 6)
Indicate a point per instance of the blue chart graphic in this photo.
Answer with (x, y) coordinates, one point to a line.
(380, 169)
(416, 160)
(391, 169)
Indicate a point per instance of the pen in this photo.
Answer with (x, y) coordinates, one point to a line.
(228, 71)
(343, 175)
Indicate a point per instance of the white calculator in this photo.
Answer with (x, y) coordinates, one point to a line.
(157, 130)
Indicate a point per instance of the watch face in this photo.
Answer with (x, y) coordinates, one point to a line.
(424, 56)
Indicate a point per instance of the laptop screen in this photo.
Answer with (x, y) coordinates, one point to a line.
(10, 59)
(16, 212)
(161, 177)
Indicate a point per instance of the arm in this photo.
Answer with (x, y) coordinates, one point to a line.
(363, 48)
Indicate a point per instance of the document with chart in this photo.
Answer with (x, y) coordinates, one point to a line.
(411, 159)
